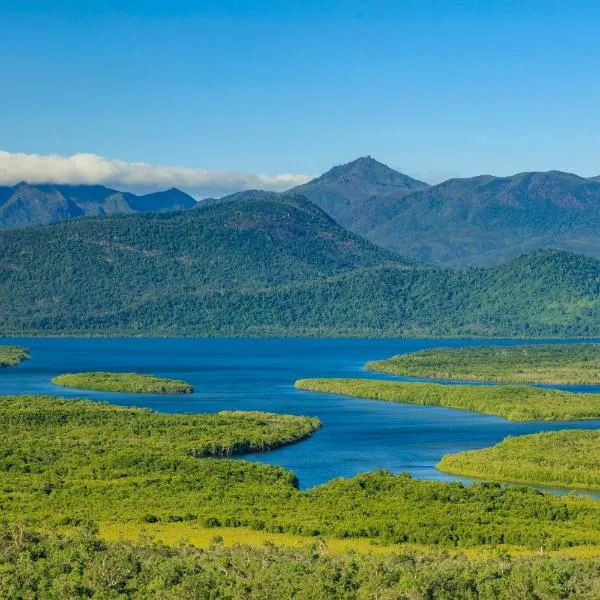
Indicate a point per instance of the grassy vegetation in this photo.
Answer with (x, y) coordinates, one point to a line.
(191, 532)
(173, 533)
(81, 565)
(552, 363)
(516, 403)
(64, 463)
(12, 355)
(562, 458)
(123, 382)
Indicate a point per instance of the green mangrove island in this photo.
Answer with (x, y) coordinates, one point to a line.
(12, 355)
(535, 363)
(123, 382)
(513, 402)
(569, 458)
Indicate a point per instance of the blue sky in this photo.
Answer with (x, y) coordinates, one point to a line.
(432, 88)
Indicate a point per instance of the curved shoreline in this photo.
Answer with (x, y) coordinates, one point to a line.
(515, 403)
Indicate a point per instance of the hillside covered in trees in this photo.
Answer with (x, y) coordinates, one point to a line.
(266, 264)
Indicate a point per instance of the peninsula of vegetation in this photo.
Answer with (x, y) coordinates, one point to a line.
(513, 402)
(568, 458)
(66, 463)
(134, 383)
(12, 355)
(538, 363)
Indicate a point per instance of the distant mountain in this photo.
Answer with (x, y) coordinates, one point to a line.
(485, 220)
(480, 221)
(26, 204)
(358, 193)
(270, 264)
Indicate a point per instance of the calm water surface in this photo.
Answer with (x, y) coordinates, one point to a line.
(259, 374)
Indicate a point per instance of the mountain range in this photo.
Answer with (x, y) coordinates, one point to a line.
(24, 204)
(272, 264)
(478, 221)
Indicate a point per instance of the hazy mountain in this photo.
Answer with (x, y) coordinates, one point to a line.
(26, 204)
(485, 220)
(358, 193)
(272, 264)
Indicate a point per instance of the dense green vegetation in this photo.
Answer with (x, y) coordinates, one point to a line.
(67, 462)
(123, 382)
(517, 403)
(544, 363)
(12, 355)
(53, 566)
(561, 458)
(264, 264)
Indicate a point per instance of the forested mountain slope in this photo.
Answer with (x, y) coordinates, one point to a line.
(486, 220)
(272, 264)
(478, 221)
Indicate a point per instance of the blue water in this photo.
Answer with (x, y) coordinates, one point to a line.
(259, 374)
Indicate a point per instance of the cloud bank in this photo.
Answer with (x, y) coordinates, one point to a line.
(93, 169)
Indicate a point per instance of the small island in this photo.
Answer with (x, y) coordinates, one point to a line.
(568, 458)
(513, 402)
(12, 355)
(134, 383)
(535, 363)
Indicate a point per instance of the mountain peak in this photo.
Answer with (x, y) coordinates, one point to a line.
(367, 170)
(358, 191)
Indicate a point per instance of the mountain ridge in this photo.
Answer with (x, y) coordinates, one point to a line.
(486, 220)
(477, 221)
(25, 204)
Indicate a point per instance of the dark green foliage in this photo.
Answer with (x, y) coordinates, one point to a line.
(52, 566)
(123, 382)
(67, 462)
(266, 264)
(540, 363)
(516, 403)
(560, 458)
(12, 355)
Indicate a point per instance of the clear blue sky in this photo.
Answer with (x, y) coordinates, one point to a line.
(429, 87)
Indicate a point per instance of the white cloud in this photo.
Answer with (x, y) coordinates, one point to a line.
(94, 169)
